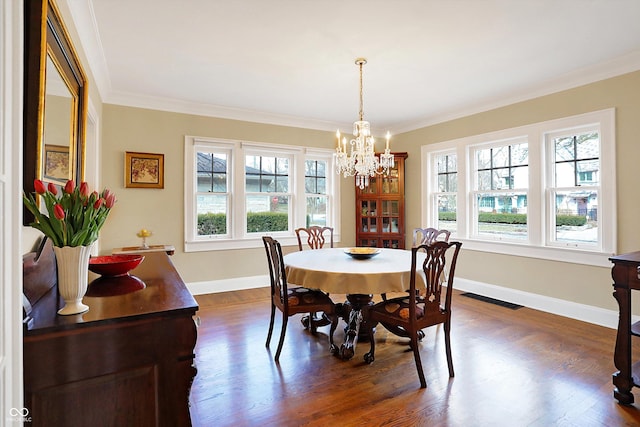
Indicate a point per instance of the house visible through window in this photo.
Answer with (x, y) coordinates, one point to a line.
(502, 181)
(212, 194)
(575, 188)
(267, 193)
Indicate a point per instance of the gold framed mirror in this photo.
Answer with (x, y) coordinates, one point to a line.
(55, 100)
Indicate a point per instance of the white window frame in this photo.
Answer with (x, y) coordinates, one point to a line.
(250, 150)
(220, 148)
(237, 237)
(475, 191)
(435, 193)
(324, 157)
(539, 217)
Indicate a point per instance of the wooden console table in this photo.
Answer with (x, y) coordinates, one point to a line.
(129, 360)
(625, 273)
(169, 249)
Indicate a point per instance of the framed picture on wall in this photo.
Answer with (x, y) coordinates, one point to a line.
(56, 163)
(143, 170)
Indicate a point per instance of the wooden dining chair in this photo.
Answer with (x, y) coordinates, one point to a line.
(419, 310)
(293, 300)
(422, 236)
(426, 236)
(315, 236)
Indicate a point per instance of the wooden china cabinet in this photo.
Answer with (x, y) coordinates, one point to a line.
(380, 209)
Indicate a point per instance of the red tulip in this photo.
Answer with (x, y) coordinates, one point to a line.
(52, 189)
(109, 199)
(97, 204)
(58, 211)
(84, 189)
(39, 186)
(69, 186)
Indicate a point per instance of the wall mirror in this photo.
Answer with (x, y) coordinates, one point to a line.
(55, 100)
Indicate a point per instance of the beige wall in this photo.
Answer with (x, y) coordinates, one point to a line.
(133, 129)
(161, 210)
(579, 283)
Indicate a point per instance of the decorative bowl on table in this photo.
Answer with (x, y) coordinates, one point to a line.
(114, 265)
(362, 253)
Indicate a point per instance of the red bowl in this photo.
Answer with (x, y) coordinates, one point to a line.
(114, 265)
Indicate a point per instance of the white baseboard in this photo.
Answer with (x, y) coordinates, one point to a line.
(573, 310)
(226, 285)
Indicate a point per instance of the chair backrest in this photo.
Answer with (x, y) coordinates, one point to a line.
(277, 272)
(439, 260)
(315, 236)
(426, 236)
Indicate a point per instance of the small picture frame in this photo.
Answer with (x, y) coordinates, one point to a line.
(56, 163)
(143, 170)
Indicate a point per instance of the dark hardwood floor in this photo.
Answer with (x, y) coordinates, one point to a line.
(513, 368)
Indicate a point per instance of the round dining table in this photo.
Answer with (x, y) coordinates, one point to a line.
(333, 270)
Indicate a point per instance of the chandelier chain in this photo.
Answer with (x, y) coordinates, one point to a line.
(361, 63)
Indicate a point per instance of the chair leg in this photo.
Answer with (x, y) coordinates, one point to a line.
(416, 356)
(447, 345)
(312, 323)
(334, 324)
(273, 315)
(285, 319)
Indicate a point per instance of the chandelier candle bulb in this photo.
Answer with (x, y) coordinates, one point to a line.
(388, 136)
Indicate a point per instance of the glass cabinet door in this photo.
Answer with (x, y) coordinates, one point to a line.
(372, 187)
(390, 216)
(390, 183)
(368, 220)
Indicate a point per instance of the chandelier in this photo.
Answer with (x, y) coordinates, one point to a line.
(362, 161)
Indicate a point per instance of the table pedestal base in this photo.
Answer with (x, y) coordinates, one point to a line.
(351, 311)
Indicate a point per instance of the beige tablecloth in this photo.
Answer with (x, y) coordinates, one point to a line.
(333, 271)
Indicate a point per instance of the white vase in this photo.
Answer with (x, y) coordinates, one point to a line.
(73, 274)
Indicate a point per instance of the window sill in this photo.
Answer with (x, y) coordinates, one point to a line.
(225, 244)
(575, 256)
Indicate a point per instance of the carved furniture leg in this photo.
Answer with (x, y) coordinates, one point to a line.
(355, 329)
(623, 379)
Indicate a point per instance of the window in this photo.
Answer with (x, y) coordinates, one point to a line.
(315, 188)
(235, 192)
(500, 194)
(445, 197)
(574, 190)
(267, 193)
(212, 191)
(545, 190)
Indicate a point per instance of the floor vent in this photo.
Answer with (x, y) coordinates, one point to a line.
(506, 304)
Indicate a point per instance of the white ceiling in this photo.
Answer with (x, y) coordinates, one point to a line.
(291, 62)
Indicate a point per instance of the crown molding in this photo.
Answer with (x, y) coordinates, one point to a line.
(618, 66)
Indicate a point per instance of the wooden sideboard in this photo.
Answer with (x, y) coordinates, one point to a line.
(625, 273)
(129, 360)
